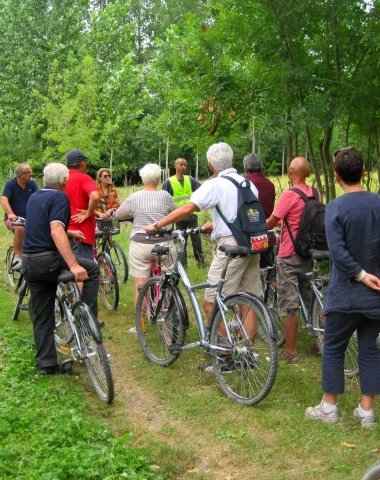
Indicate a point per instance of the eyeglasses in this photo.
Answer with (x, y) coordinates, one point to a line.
(341, 150)
(27, 173)
(106, 176)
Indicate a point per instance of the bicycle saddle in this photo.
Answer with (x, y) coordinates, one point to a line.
(319, 254)
(66, 276)
(235, 250)
(160, 250)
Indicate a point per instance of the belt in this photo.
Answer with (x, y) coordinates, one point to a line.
(39, 254)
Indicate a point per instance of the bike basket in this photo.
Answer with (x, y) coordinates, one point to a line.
(107, 225)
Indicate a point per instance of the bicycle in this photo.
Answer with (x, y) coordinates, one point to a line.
(373, 473)
(21, 285)
(13, 275)
(108, 283)
(78, 337)
(106, 229)
(239, 336)
(312, 318)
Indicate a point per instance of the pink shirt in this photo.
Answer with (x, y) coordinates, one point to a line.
(290, 206)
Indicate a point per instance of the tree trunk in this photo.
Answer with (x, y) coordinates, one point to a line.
(111, 161)
(196, 165)
(324, 170)
(330, 187)
(167, 173)
(311, 156)
(253, 136)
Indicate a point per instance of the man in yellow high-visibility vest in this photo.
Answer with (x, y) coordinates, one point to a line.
(181, 187)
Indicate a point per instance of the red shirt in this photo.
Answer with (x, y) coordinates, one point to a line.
(267, 192)
(290, 206)
(79, 187)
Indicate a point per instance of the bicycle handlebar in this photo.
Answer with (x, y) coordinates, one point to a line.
(161, 232)
(19, 222)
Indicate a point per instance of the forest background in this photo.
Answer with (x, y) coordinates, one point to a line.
(137, 81)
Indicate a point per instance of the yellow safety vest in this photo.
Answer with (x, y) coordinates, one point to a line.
(181, 194)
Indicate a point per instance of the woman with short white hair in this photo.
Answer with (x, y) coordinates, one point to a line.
(149, 205)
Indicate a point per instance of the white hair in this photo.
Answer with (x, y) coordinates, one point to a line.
(55, 174)
(150, 174)
(220, 156)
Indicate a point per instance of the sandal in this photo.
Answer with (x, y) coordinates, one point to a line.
(289, 357)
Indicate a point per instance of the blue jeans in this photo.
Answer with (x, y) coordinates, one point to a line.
(339, 329)
(41, 273)
(82, 250)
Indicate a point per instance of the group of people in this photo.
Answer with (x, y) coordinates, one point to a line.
(352, 226)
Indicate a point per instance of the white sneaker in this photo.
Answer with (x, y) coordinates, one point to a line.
(133, 331)
(366, 421)
(319, 413)
(16, 262)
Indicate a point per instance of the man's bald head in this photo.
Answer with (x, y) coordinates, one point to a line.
(300, 166)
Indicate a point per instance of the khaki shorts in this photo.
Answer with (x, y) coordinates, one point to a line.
(141, 258)
(243, 274)
(288, 283)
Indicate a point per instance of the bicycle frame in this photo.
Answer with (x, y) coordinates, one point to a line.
(178, 273)
(315, 293)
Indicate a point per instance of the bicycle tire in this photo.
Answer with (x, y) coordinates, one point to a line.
(93, 354)
(254, 364)
(318, 320)
(163, 339)
(119, 259)
(12, 275)
(108, 284)
(22, 288)
(63, 334)
(271, 303)
(373, 473)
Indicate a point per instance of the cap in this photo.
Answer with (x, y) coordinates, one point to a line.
(75, 156)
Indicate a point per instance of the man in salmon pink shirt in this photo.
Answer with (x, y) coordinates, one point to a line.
(290, 265)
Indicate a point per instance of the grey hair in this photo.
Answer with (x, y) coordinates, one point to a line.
(220, 156)
(55, 174)
(150, 174)
(252, 163)
(20, 169)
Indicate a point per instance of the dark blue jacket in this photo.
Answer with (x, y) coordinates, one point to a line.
(353, 235)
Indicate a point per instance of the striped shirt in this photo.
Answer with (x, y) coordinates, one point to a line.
(145, 207)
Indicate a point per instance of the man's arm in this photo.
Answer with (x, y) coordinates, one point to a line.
(176, 216)
(272, 222)
(62, 243)
(7, 208)
(82, 215)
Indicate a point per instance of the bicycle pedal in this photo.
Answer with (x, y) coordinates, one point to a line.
(23, 307)
(174, 349)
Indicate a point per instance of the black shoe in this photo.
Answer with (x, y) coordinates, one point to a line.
(101, 323)
(63, 368)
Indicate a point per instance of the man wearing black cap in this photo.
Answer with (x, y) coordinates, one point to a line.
(84, 197)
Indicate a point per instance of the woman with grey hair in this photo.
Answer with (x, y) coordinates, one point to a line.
(146, 206)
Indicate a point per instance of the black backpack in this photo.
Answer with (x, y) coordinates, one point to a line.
(250, 227)
(311, 231)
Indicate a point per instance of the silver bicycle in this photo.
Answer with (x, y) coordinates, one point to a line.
(239, 336)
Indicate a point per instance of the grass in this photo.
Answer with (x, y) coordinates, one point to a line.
(183, 424)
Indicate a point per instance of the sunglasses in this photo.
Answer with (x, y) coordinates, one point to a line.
(106, 176)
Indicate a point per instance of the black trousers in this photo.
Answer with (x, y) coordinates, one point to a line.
(41, 273)
(195, 239)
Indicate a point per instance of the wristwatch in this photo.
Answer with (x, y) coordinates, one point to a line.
(155, 225)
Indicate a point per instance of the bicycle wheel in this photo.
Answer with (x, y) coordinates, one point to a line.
(62, 333)
(12, 275)
(22, 288)
(373, 473)
(93, 354)
(120, 261)
(161, 338)
(318, 320)
(108, 284)
(351, 368)
(271, 302)
(247, 369)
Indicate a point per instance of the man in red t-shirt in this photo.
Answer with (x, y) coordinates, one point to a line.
(84, 197)
(289, 265)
